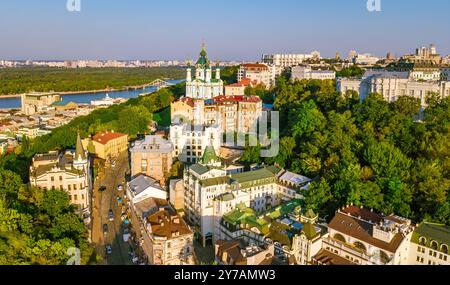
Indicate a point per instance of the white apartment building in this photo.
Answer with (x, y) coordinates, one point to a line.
(305, 72)
(392, 85)
(258, 73)
(426, 74)
(288, 60)
(190, 141)
(210, 192)
(365, 59)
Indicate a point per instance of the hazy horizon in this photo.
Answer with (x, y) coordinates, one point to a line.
(232, 30)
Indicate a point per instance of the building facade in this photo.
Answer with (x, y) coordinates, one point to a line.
(258, 73)
(238, 89)
(171, 239)
(284, 61)
(33, 103)
(151, 156)
(305, 72)
(211, 192)
(430, 245)
(392, 85)
(69, 171)
(107, 144)
(360, 236)
(176, 194)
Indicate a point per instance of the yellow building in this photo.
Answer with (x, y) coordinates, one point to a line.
(182, 109)
(107, 144)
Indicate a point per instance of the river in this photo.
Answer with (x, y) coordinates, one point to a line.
(85, 98)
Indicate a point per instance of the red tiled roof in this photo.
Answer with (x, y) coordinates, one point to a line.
(249, 99)
(188, 100)
(104, 138)
(347, 223)
(363, 213)
(166, 224)
(245, 82)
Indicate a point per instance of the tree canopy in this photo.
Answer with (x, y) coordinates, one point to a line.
(371, 153)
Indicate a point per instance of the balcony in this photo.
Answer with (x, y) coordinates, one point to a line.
(352, 251)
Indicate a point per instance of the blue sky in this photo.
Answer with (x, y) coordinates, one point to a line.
(232, 29)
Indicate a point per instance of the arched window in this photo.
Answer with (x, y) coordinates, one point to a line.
(422, 241)
(434, 245)
(384, 257)
(444, 248)
(360, 246)
(340, 238)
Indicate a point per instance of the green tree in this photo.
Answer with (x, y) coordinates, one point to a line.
(55, 203)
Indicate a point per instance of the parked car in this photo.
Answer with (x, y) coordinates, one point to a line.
(108, 249)
(105, 229)
(102, 189)
(126, 235)
(120, 187)
(111, 215)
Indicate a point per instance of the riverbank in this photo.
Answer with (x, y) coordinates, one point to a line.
(86, 97)
(127, 88)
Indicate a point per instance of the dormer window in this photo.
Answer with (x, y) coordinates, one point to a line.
(422, 241)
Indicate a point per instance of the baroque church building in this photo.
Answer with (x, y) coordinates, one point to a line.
(190, 132)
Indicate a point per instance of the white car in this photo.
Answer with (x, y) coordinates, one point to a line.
(120, 187)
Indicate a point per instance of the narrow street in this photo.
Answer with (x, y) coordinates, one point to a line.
(110, 177)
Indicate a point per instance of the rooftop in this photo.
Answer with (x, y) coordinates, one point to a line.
(249, 176)
(167, 224)
(359, 223)
(105, 137)
(245, 82)
(294, 178)
(150, 206)
(142, 182)
(432, 232)
(328, 258)
(238, 252)
(237, 98)
(154, 144)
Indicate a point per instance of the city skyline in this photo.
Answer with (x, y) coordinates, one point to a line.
(157, 31)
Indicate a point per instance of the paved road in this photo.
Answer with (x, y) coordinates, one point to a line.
(110, 177)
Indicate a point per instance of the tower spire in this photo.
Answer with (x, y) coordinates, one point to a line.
(79, 150)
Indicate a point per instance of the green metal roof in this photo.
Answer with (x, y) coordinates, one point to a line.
(310, 214)
(226, 197)
(309, 231)
(215, 181)
(209, 155)
(79, 150)
(432, 232)
(274, 169)
(253, 175)
(203, 60)
(199, 169)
